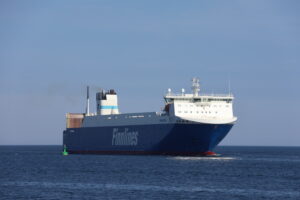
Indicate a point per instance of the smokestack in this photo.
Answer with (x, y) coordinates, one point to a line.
(87, 100)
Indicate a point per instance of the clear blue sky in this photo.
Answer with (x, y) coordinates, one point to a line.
(50, 50)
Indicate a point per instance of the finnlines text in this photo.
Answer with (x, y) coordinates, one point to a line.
(125, 137)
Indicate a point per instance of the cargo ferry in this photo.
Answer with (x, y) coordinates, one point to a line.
(190, 124)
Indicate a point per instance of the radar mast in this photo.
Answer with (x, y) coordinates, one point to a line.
(195, 86)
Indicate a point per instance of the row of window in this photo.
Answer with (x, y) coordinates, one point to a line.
(209, 100)
(191, 105)
(199, 100)
(202, 112)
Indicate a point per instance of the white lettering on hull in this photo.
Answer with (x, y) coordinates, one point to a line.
(126, 137)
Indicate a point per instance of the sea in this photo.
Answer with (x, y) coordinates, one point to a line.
(42, 172)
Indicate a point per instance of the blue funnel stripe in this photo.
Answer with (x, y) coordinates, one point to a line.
(108, 107)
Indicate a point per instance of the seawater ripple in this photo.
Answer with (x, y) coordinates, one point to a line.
(41, 172)
(156, 188)
(220, 158)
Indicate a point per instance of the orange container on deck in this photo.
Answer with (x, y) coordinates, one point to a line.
(74, 120)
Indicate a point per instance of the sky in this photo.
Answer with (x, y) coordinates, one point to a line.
(51, 50)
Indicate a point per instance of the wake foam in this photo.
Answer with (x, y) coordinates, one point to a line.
(204, 158)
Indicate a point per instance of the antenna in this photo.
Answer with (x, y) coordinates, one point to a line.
(229, 84)
(87, 100)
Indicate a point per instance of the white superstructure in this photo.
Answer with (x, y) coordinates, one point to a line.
(215, 109)
(179, 108)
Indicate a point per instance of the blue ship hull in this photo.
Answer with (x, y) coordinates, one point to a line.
(163, 139)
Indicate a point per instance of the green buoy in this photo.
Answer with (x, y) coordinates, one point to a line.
(65, 153)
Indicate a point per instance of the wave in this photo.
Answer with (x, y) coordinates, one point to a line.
(274, 159)
(154, 188)
(237, 158)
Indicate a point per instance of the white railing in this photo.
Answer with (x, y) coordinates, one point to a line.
(200, 95)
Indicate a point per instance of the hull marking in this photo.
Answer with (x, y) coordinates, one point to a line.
(124, 138)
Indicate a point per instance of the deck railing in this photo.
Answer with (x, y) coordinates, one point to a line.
(200, 95)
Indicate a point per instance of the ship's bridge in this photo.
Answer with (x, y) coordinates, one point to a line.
(169, 98)
(205, 107)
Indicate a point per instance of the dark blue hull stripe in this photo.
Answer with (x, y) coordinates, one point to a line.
(160, 139)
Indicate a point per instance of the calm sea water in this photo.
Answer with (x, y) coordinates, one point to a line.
(41, 172)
